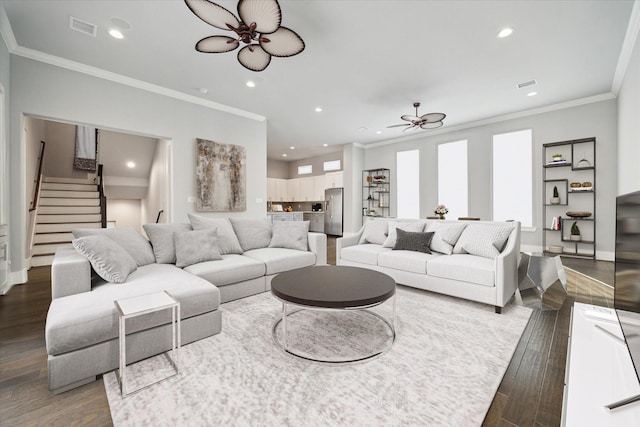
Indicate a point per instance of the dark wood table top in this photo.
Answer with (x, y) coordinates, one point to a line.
(329, 286)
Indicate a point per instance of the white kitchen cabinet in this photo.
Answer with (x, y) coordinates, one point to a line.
(272, 190)
(334, 180)
(318, 188)
(293, 186)
(306, 189)
(282, 191)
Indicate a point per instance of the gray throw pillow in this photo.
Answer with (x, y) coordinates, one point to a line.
(290, 235)
(162, 240)
(252, 233)
(227, 241)
(107, 258)
(131, 241)
(196, 246)
(410, 241)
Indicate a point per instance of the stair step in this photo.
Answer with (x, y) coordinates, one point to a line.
(69, 187)
(65, 228)
(52, 238)
(57, 219)
(48, 249)
(70, 194)
(52, 201)
(41, 260)
(68, 180)
(61, 210)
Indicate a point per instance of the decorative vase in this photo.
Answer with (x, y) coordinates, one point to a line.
(575, 237)
(555, 200)
(440, 216)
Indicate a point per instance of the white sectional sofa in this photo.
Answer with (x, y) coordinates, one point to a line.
(474, 260)
(202, 264)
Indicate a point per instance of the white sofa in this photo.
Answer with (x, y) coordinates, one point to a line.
(82, 323)
(489, 278)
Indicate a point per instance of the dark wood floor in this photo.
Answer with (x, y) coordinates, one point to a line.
(529, 395)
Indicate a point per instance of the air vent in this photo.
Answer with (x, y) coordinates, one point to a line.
(83, 26)
(527, 84)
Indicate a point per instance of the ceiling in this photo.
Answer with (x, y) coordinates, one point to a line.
(364, 64)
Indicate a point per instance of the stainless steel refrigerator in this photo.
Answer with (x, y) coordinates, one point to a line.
(333, 203)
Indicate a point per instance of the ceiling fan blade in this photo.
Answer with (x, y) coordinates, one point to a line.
(254, 58)
(213, 14)
(409, 118)
(411, 127)
(265, 13)
(433, 117)
(283, 42)
(217, 44)
(395, 126)
(433, 125)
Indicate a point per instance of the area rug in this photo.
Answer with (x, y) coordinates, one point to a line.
(447, 362)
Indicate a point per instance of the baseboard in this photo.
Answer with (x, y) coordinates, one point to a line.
(18, 277)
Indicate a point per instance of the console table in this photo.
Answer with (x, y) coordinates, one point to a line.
(599, 372)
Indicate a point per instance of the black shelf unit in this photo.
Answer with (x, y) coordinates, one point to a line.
(376, 192)
(579, 166)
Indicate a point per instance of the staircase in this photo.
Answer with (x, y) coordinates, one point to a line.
(64, 204)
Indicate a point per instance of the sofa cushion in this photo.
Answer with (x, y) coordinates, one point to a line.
(196, 246)
(227, 241)
(232, 268)
(410, 241)
(445, 237)
(411, 261)
(365, 254)
(133, 242)
(375, 231)
(162, 240)
(88, 318)
(406, 226)
(252, 233)
(465, 268)
(290, 235)
(278, 260)
(486, 240)
(107, 258)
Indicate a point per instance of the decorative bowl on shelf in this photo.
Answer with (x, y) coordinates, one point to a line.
(555, 249)
(575, 185)
(579, 214)
(583, 163)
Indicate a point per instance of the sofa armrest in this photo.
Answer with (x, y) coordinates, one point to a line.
(345, 242)
(70, 273)
(507, 268)
(318, 245)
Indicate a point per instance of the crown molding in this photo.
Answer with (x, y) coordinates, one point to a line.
(627, 48)
(6, 31)
(128, 81)
(497, 119)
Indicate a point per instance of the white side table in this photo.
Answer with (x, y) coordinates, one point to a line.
(138, 306)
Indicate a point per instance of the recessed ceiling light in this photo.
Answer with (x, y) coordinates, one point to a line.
(284, 155)
(532, 93)
(131, 165)
(318, 110)
(251, 84)
(505, 32)
(116, 34)
(293, 148)
(378, 132)
(325, 145)
(121, 23)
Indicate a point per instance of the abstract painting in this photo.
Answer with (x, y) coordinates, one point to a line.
(220, 176)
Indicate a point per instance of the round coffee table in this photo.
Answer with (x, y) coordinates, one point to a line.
(332, 288)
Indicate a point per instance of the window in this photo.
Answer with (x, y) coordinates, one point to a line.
(408, 188)
(333, 165)
(305, 170)
(512, 177)
(453, 183)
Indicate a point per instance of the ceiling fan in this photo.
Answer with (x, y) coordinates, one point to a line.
(426, 121)
(258, 27)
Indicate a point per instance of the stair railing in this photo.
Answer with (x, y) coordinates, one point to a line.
(159, 215)
(37, 179)
(103, 198)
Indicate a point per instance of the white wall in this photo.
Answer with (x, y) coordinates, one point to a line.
(126, 213)
(55, 93)
(158, 191)
(597, 119)
(316, 162)
(4, 127)
(629, 126)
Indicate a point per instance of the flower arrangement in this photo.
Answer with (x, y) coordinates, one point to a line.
(441, 211)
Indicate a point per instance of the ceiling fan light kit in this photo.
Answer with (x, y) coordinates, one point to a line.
(426, 121)
(258, 28)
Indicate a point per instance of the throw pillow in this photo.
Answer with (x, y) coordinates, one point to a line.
(483, 240)
(411, 241)
(130, 240)
(252, 233)
(227, 241)
(108, 259)
(196, 246)
(375, 231)
(290, 235)
(445, 236)
(162, 240)
(415, 227)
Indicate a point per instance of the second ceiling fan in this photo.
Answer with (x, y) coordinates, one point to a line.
(426, 121)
